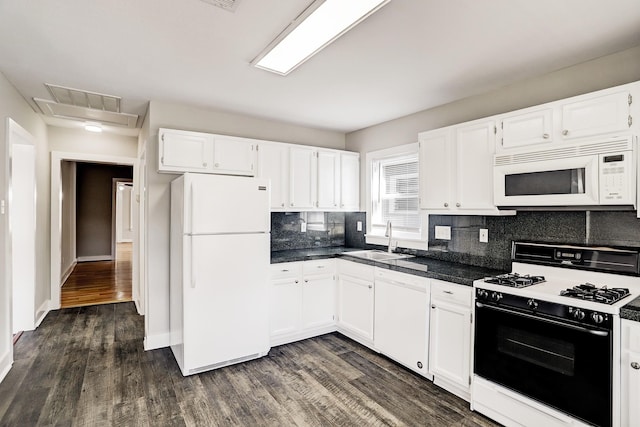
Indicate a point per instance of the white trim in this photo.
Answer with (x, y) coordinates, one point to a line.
(95, 258)
(56, 221)
(6, 363)
(68, 272)
(44, 309)
(152, 342)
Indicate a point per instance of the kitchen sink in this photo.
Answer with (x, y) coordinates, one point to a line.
(376, 255)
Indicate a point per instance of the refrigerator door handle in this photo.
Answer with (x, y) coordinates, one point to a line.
(193, 254)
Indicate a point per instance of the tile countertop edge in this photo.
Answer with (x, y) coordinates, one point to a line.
(461, 274)
(631, 311)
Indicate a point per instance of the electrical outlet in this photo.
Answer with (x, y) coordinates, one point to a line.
(484, 235)
(443, 232)
(358, 225)
(303, 227)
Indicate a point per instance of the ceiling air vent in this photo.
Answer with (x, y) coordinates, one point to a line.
(76, 104)
(228, 5)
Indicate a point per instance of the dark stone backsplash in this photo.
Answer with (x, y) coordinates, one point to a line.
(324, 229)
(607, 228)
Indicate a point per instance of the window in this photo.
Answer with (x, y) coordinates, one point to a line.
(393, 196)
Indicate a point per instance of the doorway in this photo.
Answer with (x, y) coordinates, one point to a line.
(99, 265)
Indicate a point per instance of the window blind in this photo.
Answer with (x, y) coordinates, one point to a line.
(397, 198)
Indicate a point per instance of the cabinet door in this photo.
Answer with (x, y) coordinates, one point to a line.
(450, 342)
(302, 178)
(401, 323)
(475, 146)
(355, 306)
(328, 179)
(596, 115)
(233, 156)
(318, 301)
(350, 181)
(182, 151)
(273, 164)
(436, 170)
(633, 392)
(534, 127)
(284, 306)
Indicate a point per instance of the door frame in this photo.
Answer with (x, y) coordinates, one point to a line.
(57, 157)
(115, 182)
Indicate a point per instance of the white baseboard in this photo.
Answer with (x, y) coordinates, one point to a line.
(298, 336)
(68, 272)
(138, 307)
(42, 312)
(5, 364)
(153, 342)
(95, 258)
(125, 241)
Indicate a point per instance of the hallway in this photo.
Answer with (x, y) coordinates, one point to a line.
(99, 282)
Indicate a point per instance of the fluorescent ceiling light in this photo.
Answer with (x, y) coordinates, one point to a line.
(93, 127)
(319, 25)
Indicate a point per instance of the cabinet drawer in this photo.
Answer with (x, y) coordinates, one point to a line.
(416, 282)
(285, 270)
(446, 291)
(357, 270)
(320, 266)
(631, 335)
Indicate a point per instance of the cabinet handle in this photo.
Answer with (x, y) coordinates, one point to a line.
(282, 205)
(306, 280)
(204, 164)
(545, 136)
(448, 292)
(565, 132)
(370, 286)
(458, 205)
(635, 365)
(216, 165)
(433, 306)
(446, 205)
(284, 271)
(291, 204)
(297, 281)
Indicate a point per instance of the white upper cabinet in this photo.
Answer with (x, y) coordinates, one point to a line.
(475, 147)
(234, 156)
(596, 114)
(273, 164)
(456, 169)
(349, 181)
(328, 179)
(183, 151)
(527, 128)
(436, 177)
(302, 177)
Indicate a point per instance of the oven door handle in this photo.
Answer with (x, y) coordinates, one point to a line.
(599, 333)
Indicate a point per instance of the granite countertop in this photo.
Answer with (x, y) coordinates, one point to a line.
(462, 274)
(631, 311)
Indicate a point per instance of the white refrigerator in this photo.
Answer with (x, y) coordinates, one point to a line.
(220, 255)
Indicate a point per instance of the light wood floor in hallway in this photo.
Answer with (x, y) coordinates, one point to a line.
(86, 366)
(99, 282)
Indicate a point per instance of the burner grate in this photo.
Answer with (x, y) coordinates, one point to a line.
(514, 280)
(590, 292)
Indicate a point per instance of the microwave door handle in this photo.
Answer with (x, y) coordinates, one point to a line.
(581, 189)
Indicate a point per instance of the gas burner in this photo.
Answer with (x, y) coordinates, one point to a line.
(589, 292)
(514, 280)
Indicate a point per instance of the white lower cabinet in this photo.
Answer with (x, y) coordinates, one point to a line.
(301, 300)
(630, 372)
(356, 301)
(402, 318)
(450, 337)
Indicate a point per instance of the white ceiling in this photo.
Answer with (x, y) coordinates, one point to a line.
(409, 56)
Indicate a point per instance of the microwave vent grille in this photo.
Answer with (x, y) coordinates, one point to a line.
(564, 152)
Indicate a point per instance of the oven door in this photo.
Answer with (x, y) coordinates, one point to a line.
(557, 182)
(566, 366)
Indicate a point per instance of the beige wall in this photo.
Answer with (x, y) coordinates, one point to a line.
(12, 105)
(612, 70)
(166, 115)
(78, 140)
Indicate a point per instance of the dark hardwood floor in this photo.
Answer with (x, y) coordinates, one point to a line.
(86, 366)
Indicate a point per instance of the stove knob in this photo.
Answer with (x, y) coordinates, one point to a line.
(578, 314)
(533, 304)
(496, 296)
(482, 294)
(597, 317)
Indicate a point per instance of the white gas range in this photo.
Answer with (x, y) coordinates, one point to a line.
(547, 352)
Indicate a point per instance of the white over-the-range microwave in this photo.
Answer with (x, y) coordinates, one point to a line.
(590, 173)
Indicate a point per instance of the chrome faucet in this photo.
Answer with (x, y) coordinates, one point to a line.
(388, 233)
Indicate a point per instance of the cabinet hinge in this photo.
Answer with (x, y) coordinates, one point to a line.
(495, 130)
(630, 120)
(162, 160)
(162, 136)
(630, 99)
(469, 379)
(471, 318)
(502, 141)
(501, 125)
(333, 317)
